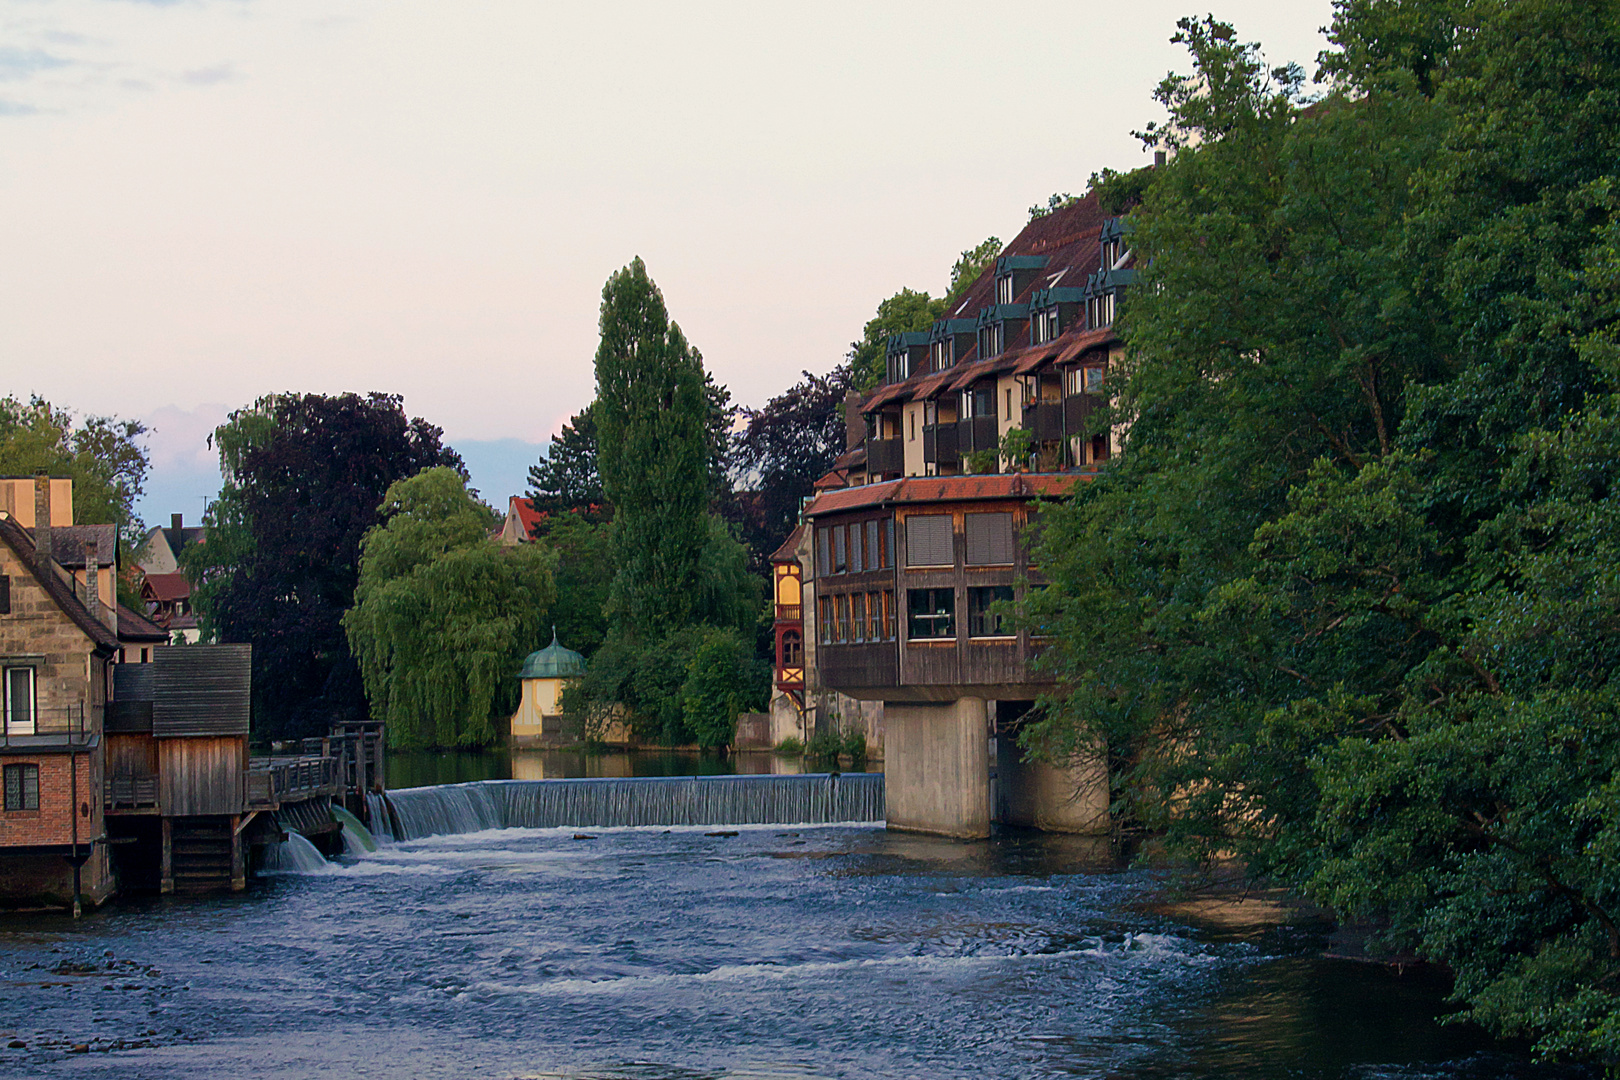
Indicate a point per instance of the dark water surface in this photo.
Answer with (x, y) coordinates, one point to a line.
(780, 951)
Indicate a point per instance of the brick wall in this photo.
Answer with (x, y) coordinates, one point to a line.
(52, 823)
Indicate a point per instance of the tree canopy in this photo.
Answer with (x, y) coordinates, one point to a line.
(304, 477)
(566, 479)
(102, 454)
(1345, 605)
(443, 614)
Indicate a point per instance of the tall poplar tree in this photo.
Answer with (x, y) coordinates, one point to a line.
(654, 454)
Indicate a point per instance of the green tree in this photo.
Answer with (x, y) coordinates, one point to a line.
(723, 678)
(655, 454)
(305, 475)
(102, 454)
(1342, 607)
(584, 577)
(566, 478)
(443, 615)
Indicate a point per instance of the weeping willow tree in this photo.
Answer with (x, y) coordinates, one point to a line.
(443, 615)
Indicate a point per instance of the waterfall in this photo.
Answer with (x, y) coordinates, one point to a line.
(699, 800)
(357, 839)
(294, 855)
(377, 811)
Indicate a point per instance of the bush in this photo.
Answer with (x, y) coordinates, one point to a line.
(854, 746)
(790, 747)
(826, 744)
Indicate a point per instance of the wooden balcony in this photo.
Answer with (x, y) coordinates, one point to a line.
(789, 613)
(939, 444)
(885, 456)
(126, 793)
(273, 781)
(1077, 410)
(1044, 420)
(977, 433)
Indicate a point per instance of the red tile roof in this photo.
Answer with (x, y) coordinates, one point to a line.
(924, 489)
(133, 626)
(21, 542)
(166, 587)
(527, 515)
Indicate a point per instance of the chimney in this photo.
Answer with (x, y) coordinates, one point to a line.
(175, 520)
(854, 426)
(1158, 159)
(42, 520)
(92, 578)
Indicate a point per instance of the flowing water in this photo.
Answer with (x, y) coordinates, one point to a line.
(682, 953)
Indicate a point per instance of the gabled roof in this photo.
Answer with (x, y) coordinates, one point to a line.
(528, 517)
(186, 534)
(134, 627)
(789, 551)
(67, 545)
(166, 587)
(21, 542)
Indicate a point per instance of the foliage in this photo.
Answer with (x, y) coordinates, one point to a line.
(722, 680)
(1345, 605)
(1016, 447)
(584, 577)
(781, 451)
(1053, 202)
(825, 744)
(1121, 192)
(566, 478)
(905, 311)
(791, 746)
(443, 615)
(655, 455)
(304, 477)
(982, 461)
(102, 454)
(854, 746)
(969, 268)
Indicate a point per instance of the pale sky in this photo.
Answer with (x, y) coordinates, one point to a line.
(202, 201)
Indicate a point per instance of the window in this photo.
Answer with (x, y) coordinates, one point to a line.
(982, 621)
(19, 691)
(840, 551)
(1004, 289)
(824, 619)
(888, 542)
(842, 604)
(1110, 253)
(874, 617)
(1009, 411)
(874, 553)
(1094, 380)
(913, 416)
(1044, 326)
(888, 616)
(1100, 310)
(22, 787)
(929, 540)
(933, 614)
(5, 595)
(989, 539)
(856, 564)
(792, 649)
(992, 340)
(857, 617)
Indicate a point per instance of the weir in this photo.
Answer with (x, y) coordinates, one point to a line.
(814, 799)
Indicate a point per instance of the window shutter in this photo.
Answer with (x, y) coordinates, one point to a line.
(989, 540)
(823, 558)
(928, 540)
(874, 555)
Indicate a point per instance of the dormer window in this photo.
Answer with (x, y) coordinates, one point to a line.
(1044, 326)
(992, 339)
(1111, 251)
(1004, 289)
(942, 355)
(1100, 310)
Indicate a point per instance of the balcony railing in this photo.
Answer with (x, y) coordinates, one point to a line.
(977, 433)
(789, 612)
(939, 443)
(61, 725)
(1077, 410)
(271, 781)
(1044, 420)
(130, 793)
(885, 456)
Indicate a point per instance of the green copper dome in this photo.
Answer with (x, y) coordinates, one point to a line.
(553, 662)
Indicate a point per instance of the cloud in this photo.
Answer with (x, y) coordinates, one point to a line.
(210, 76)
(16, 108)
(19, 64)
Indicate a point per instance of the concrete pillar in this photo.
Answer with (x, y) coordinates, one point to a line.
(238, 856)
(936, 766)
(1036, 795)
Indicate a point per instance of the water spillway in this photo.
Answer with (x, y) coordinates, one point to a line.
(814, 799)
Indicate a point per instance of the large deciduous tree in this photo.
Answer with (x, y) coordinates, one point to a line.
(443, 614)
(304, 477)
(102, 454)
(1346, 604)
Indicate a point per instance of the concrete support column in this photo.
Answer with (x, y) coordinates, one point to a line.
(936, 766)
(238, 856)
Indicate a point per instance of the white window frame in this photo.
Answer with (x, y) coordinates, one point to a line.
(14, 725)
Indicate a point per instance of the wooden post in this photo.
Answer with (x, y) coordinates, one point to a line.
(167, 864)
(238, 859)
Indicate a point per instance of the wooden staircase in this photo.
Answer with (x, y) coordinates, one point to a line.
(200, 854)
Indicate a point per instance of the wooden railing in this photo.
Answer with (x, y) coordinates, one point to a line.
(789, 613)
(130, 792)
(272, 781)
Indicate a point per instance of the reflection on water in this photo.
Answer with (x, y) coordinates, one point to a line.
(423, 768)
(676, 954)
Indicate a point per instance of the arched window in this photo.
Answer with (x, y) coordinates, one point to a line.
(792, 649)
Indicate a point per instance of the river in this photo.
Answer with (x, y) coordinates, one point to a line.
(654, 954)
